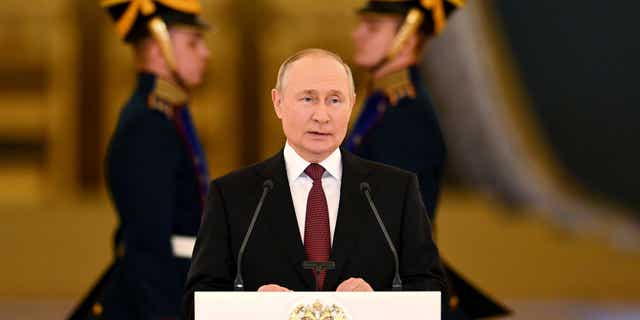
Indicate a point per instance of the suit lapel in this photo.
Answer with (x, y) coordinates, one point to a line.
(351, 210)
(281, 217)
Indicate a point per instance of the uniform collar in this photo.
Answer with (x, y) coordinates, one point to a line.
(398, 84)
(146, 81)
(163, 95)
(296, 165)
(170, 92)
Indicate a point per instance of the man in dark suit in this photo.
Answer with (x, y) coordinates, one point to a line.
(156, 169)
(316, 210)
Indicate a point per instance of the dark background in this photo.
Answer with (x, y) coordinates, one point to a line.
(580, 62)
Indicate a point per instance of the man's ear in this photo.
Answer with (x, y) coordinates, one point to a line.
(154, 54)
(352, 104)
(276, 98)
(153, 50)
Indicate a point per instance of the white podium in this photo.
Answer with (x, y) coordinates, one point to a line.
(318, 305)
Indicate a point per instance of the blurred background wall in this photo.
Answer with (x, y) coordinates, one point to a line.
(579, 63)
(565, 68)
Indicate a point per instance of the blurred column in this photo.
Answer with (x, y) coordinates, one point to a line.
(90, 100)
(37, 101)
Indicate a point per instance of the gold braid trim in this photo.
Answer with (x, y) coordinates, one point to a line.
(457, 3)
(437, 12)
(396, 86)
(166, 97)
(412, 23)
(146, 8)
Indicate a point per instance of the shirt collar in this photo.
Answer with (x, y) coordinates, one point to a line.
(295, 164)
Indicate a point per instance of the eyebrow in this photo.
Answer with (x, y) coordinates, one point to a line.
(315, 92)
(308, 91)
(336, 92)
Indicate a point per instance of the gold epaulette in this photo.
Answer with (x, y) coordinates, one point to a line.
(166, 97)
(396, 86)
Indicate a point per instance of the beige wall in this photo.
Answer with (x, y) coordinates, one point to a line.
(37, 98)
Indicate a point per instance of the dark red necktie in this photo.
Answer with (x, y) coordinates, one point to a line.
(317, 241)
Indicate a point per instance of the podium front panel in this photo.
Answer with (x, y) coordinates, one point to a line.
(317, 305)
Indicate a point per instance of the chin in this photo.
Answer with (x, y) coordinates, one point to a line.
(363, 61)
(358, 59)
(320, 148)
(196, 81)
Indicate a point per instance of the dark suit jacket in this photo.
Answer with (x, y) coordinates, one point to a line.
(274, 253)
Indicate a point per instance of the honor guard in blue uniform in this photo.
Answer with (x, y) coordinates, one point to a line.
(156, 169)
(398, 123)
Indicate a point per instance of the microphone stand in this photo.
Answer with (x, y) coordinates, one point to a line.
(397, 282)
(238, 283)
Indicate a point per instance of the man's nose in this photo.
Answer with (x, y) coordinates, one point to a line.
(320, 114)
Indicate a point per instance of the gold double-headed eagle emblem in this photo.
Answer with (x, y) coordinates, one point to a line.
(317, 311)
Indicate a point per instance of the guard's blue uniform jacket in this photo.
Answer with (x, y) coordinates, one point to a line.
(398, 126)
(157, 177)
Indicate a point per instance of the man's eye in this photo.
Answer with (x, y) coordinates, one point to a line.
(306, 99)
(335, 100)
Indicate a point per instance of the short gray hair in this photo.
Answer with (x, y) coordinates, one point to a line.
(312, 52)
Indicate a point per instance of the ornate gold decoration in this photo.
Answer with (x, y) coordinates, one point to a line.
(412, 23)
(166, 96)
(160, 33)
(454, 302)
(97, 309)
(415, 18)
(147, 8)
(396, 86)
(437, 12)
(317, 311)
(457, 3)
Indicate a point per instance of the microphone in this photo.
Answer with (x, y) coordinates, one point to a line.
(397, 282)
(238, 283)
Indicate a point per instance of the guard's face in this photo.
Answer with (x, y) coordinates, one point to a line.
(373, 37)
(314, 105)
(191, 54)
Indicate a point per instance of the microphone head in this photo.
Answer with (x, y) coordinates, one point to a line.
(268, 184)
(364, 187)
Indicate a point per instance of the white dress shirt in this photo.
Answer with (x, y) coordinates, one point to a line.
(300, 184)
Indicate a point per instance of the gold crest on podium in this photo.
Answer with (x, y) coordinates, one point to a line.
(317, 311)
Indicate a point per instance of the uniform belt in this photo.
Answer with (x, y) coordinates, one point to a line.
(182, 246)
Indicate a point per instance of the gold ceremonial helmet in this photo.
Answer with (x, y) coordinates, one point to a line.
(427, 16)
(137, 19)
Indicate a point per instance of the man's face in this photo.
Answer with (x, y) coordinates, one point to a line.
(191, 54)
(314, 104)
(373, 37)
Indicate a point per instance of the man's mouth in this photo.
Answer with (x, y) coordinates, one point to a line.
(318, 133)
